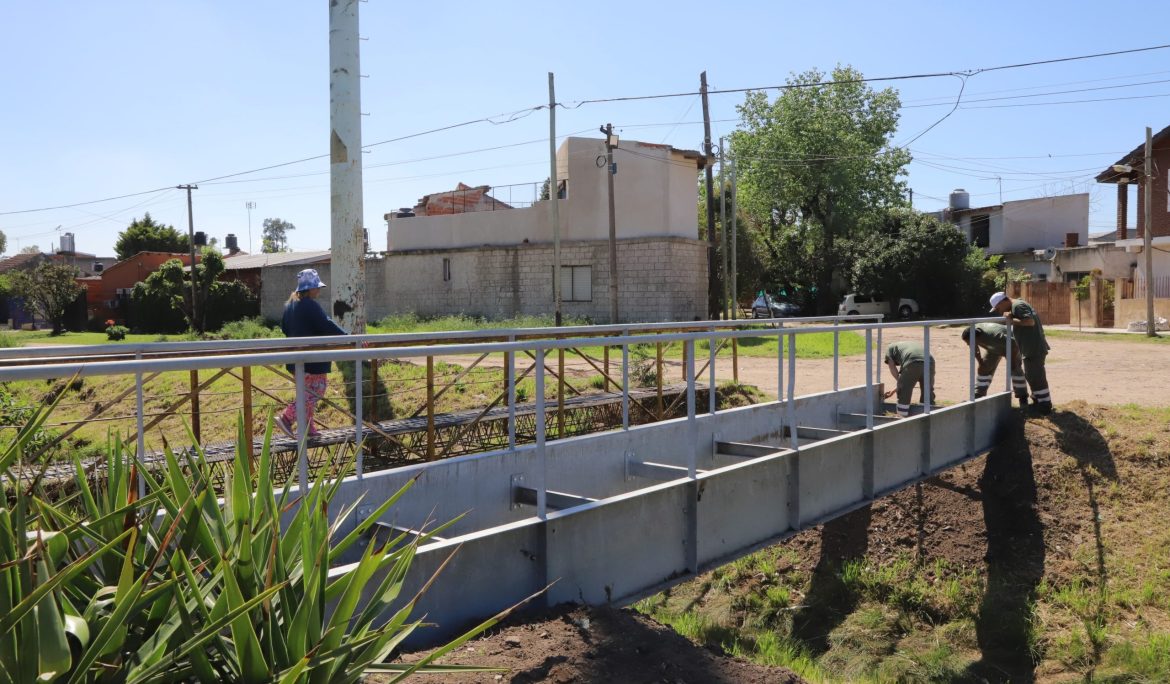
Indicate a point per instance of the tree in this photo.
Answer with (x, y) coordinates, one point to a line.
(31, 249)
(147, 235)
(50, 289)
(274, 237)
(162, 303)
(3, 242)
(909, 254)
(813, 164)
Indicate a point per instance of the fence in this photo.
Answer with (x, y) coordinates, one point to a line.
(1049, 299)
(144, 364)
(1161, 287)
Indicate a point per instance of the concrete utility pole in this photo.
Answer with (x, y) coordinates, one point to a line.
(553, 194)
(250, 206)
(1148, 234)
(347, 239)
(610, 172)
(712, 269)
(734, 242)
(195, 323)
(723, 232)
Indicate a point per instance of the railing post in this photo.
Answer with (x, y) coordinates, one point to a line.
(692, 464)
(140, 403)
(792, 390)
(712, 398)
(869, 377)
(195, 419)
(658, 381)
(358, 427)
(971, 363)
(510, 370)
(302, 429)
(542, 490)
(877, 379)
(1008, 351)
(246, 379)
(735, 359)
(605, 355)
(927, 385)
(561, 393)
(836, 354)
(430, 408)
(780, 364)
(625, 382)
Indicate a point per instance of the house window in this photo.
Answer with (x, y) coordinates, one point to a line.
(446, 269)
(576, 283)
(981, 230)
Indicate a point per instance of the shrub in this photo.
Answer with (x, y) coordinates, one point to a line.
(7, 340)
(116, 332)
(245, 329)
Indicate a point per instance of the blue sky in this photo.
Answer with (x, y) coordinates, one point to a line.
(112, 98)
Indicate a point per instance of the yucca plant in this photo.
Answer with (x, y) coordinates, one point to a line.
(104, 586)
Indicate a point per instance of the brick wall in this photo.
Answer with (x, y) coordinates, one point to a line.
(1160, 209)
(659, 279)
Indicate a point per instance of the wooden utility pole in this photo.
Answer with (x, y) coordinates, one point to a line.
(712, 268)
(1148, 235)
(722, 234)
(195, 323)
(554, 195)
(734, 244)
(610, 172)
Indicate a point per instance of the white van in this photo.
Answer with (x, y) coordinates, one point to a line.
(857, 304)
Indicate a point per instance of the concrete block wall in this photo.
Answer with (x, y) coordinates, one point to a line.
(660, 279)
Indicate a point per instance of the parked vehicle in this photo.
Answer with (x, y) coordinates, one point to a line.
(858, 304)
(767, 306)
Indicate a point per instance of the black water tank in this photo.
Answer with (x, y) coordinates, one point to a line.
(200, 238)
(231, 243)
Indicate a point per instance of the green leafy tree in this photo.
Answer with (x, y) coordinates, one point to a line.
(31, 249)
(162, 303)
(813, 164)
(147, 235)
(274, 236)
(3, 242)
(50, 289)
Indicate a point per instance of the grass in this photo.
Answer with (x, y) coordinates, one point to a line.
(1160, 338)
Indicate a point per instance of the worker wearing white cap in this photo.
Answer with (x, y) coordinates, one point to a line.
(1028, 332)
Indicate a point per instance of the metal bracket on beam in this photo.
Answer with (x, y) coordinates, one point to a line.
(745, 450)
(654, 471)
(554, 500)
(516, 481)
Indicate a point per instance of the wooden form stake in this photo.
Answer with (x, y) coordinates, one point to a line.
(430, 408)
(247, 384)
(195, 421)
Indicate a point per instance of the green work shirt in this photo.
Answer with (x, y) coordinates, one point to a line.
(905, 353)
(1030, 338)
(992, 336)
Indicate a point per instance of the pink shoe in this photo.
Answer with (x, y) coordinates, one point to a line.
(285, 427)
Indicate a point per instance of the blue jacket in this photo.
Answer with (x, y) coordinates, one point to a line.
(306, 318)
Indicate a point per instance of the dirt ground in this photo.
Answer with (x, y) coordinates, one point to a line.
(599, 645)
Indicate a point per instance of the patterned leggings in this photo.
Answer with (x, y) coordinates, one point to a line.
(314, 389)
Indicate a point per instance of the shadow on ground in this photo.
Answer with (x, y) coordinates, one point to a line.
(829, 601)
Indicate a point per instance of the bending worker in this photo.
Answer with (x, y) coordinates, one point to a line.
(1028, 332)
(990, 347)
(906, 361)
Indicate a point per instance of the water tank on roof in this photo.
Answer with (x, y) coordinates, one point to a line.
(200, 238)
(67, 244)
(960, 199)
(404, 212)
(232, 244)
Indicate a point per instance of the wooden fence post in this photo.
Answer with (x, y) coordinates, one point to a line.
(658, 381)
(560, 393)
(195, 420)
(430, 408)
(246, 376)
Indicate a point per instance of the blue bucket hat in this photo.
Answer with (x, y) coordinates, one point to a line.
(308, 280)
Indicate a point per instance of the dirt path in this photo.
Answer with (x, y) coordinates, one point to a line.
(1105, 371)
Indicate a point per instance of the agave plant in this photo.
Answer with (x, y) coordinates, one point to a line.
(178, 585)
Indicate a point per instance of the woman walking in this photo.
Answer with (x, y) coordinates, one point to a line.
(304, 317)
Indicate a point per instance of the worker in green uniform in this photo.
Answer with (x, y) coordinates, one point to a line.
(1028, 333)
(991, 346)
(907, 363)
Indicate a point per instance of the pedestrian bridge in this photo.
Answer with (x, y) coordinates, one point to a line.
(612, 516)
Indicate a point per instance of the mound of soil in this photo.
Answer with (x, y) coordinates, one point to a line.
(597, 644)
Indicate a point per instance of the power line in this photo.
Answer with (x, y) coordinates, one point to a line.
(1065, 102)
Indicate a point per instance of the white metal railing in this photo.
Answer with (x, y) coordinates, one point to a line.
(355, 349)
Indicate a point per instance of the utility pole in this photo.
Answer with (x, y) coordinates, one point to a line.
(723, 231)
(250, 206)
(610, 172)
(554, 194)
(195, 322)
(1148, 234)
(347, 237)
(734, 242)
(712, 267)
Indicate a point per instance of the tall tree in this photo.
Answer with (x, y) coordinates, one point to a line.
(3, 242)
(813, 163)
(147, 235)
(31, 249)
(170, 283)
(274, 237)
(50, 289)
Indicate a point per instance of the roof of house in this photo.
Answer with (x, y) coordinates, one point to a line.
(457, 200)
(20, 261)
(1134, 159)
(241, 261)
(696, 155)
(130, 261)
